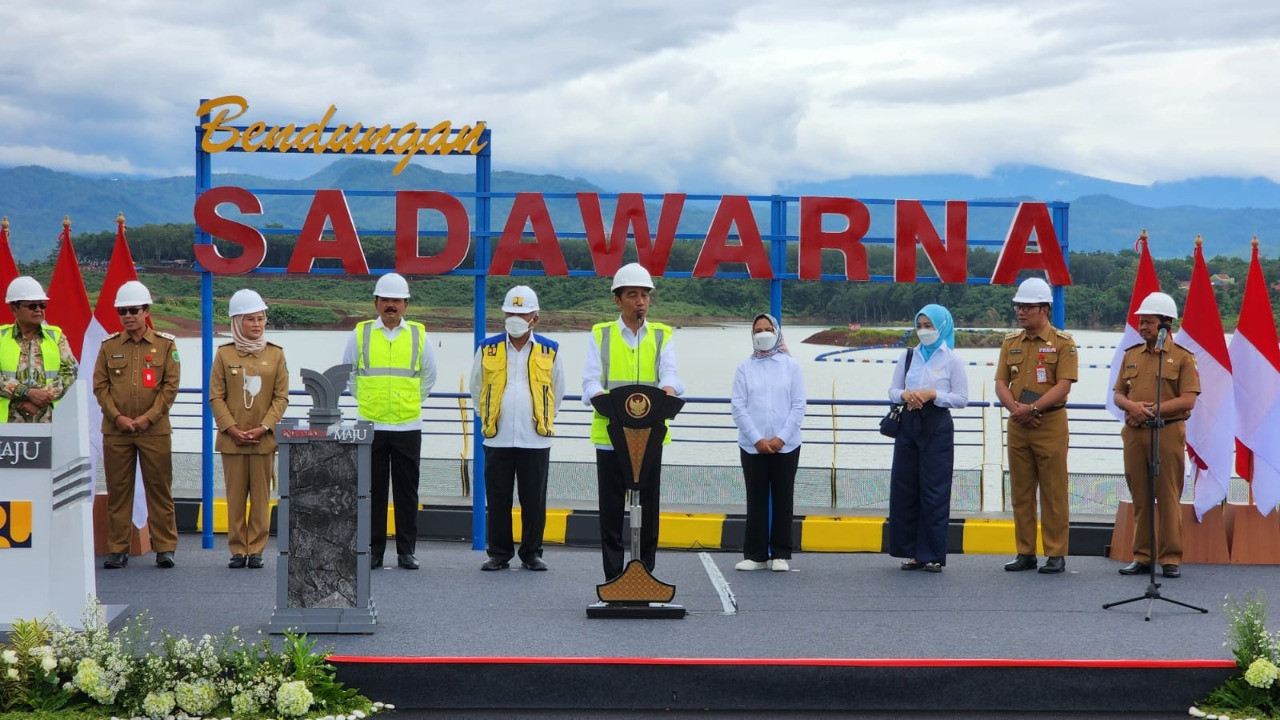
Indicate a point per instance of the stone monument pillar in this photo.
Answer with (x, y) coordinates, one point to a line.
(322, 579)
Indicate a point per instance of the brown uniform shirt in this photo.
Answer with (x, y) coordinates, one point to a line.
(137, 378)
(233, 406)
(1137, 376)
(1022, 351)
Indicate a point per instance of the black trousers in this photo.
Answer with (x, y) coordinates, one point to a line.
(394, 458)
(769, 478)
(920, 485)
(613, 497)
(525, 471)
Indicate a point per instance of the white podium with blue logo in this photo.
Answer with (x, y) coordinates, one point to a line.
(46, 517)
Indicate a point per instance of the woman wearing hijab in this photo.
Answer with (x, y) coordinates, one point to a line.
(768, 407)
(924, 450)
(248, 393)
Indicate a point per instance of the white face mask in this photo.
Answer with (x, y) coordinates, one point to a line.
(764, 341)
(928, 336)
(517, 326)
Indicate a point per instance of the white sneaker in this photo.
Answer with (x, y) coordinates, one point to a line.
(779, 565)
(750, 565)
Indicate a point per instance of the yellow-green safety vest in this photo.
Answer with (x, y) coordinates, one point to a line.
(493, 364)
(10, 352)
(620, 365)
(388, 373)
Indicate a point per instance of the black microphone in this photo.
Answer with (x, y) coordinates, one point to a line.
(1161, 337)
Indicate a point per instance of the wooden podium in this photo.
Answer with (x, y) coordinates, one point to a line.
(1254, 538)
(1203, 542)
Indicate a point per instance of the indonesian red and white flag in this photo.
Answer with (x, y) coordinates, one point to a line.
(8, 271)
(1255, 361)
(1143, 285)
(1212, 425)
(106, 321)
(68, 301)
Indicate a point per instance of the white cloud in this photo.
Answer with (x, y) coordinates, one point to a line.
(711, 96)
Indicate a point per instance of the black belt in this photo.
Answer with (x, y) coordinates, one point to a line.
(1055, 408)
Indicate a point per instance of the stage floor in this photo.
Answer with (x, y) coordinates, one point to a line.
(827, 606)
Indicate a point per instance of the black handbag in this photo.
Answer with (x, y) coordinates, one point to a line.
(889, 423)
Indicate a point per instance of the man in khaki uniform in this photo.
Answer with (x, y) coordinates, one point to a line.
(1034, 373)
(248, 393)
(1135, 393)
(136, 382)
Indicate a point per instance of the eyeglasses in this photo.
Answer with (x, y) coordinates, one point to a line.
(129, 311)
(34, 306)
(1025, 307)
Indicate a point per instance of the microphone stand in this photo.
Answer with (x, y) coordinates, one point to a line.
(1153, 471)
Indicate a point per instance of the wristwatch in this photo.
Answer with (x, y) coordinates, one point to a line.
(1036, 412)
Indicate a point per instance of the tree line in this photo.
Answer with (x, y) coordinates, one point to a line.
(1098, 298)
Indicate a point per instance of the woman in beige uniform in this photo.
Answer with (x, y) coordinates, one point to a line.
(248, 392)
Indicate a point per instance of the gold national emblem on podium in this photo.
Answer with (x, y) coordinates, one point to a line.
(638, 405)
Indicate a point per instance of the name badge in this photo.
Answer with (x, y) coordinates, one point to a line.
(148, 377)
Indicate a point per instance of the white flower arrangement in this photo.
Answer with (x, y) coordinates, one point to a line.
(46, 668)
(1253, 691)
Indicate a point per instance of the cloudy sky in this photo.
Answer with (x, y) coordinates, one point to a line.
(719, 95)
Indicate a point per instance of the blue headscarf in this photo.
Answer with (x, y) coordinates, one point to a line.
(941, 319)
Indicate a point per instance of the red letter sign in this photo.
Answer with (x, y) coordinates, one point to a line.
(247, 237)
(733, 210)
(345, 246)
(913, 226)
(813, 239)
(528, 208)
(457, 233)
(1014, 257)
(630, 216)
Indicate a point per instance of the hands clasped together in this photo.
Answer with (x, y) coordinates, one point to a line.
(771, 446)
(915, 399)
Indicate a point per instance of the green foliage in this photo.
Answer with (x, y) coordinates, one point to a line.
(1097, 299)
(312, 668)
(1247, 631)
(47, 669)
(1253, 691)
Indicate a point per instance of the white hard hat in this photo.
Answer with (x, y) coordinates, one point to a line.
(24, 288)
(520, 299)
(245, 302)
(392, 285)
(632, 275)
(133, 294)
(1158, 303)
(1034, 291)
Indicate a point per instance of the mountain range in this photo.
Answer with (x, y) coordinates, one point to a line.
(1104, 215)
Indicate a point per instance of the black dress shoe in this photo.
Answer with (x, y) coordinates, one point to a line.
(911, 565)
(1171, 570)
(494, 563)
(408, 562)
(255, 561)
(164, 559)
(1022, 562)
(237, 561)
(1055, 564)
(534, 563)
(115, 561)
(1135, 568)
(375, 562)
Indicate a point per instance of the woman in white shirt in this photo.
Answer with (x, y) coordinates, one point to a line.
(924, 450)
(768, 404)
